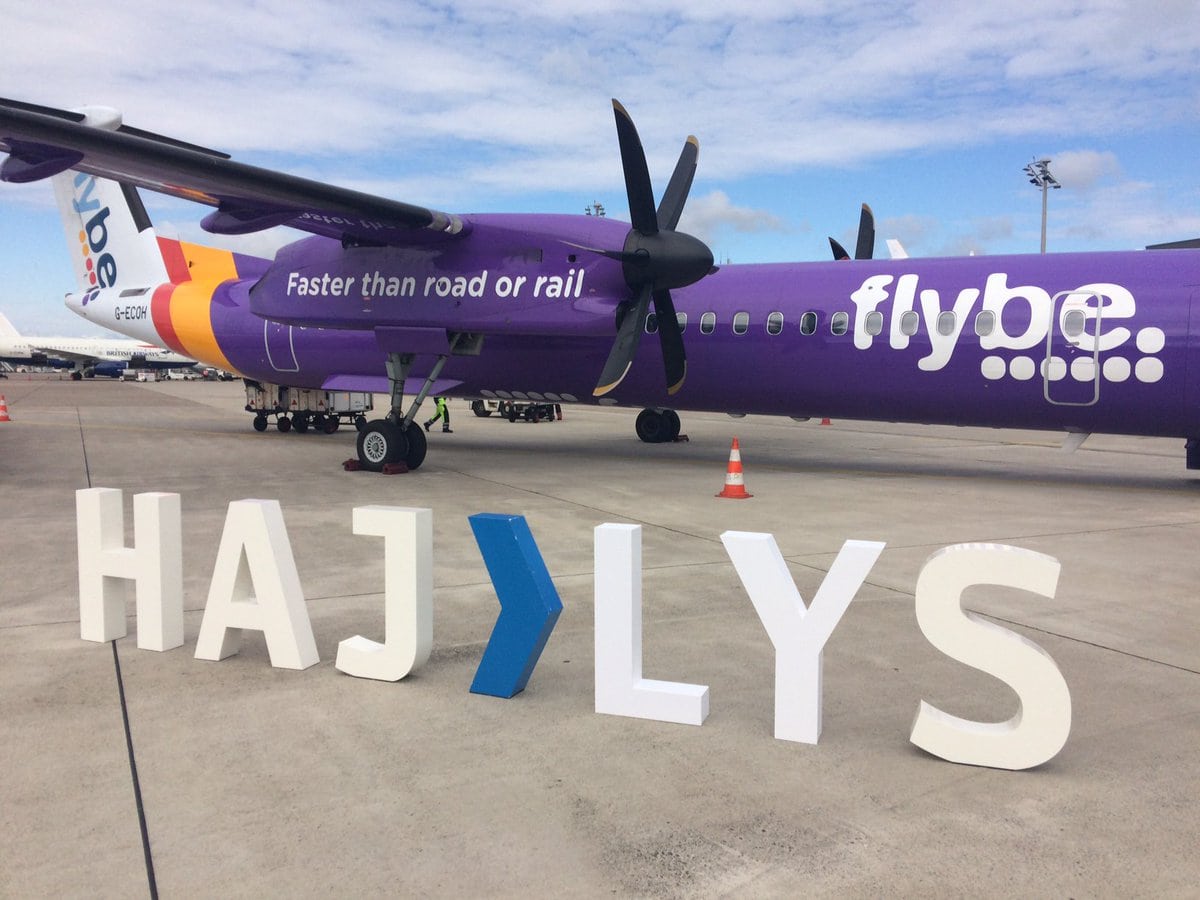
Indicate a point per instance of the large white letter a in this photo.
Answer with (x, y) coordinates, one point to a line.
(255, 585)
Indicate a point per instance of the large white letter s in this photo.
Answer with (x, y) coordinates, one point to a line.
(1043, 718)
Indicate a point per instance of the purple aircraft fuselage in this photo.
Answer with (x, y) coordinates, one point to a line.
(525, 307)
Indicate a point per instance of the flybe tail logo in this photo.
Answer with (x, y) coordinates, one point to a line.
(93, 235)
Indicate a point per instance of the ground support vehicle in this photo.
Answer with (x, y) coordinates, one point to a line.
(300, 409)
(516, 411)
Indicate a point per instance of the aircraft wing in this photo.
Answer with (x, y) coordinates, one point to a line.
(42, 142)
(68, 355)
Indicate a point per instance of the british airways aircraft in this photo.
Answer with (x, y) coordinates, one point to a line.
(389, 297)
(86, 357)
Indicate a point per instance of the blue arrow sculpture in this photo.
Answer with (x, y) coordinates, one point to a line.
(529, 604)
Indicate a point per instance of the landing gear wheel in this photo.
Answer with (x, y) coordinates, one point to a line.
(649, 426)
(260, 422)
(480, 409)
(417, 446)
(284, 424)
(300, 422)
(380, 443)
(77, 376)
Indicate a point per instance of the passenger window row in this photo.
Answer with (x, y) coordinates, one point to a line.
(839, 323)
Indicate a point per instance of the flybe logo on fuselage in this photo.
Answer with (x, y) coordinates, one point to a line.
(1091, 318)
(93, 235)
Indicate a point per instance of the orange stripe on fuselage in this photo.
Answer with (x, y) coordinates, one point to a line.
(209, 263)
(191, 321)
(181, 311)
(195, 262)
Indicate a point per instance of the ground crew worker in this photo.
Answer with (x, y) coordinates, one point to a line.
(441, 411)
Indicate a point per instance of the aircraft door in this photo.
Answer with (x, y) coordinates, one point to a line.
(1071, 369)
(281, 352)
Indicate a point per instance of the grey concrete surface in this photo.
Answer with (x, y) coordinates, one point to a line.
(265, 782)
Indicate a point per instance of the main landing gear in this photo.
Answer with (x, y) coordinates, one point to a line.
(384, 442)
(398, 438)
(658, 426)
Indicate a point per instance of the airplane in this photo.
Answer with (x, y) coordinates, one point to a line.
(387, 296)
(87, 357)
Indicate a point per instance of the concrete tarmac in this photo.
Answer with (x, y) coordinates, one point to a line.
(258, 781)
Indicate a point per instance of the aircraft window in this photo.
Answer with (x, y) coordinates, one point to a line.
(946, 321)
(741, 322)
(839, 323)
(651, 323)
(985, 323)
(808, 323)
(708, 323)
(909, 322)
(873, 324)
(681, 317)
(775, 323)
(1074, 323)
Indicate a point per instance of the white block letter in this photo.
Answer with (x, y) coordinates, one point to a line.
(407, 595)
(798, 634)
(620, 688)
(255, 585)
(1043, 719)
(106, 566)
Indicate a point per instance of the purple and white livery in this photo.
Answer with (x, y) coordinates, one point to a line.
(389, 297)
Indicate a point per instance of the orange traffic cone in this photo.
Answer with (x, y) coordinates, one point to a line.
(825, 421)
(4, 410)
(735, 486)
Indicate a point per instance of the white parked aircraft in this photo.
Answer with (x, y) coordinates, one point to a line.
(85, 356)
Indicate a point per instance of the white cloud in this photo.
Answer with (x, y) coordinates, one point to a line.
(487, 105)
(708, 216)
(1081, 170)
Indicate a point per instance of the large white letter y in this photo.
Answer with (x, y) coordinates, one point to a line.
(798, 634)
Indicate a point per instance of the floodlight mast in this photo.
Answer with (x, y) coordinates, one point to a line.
(1039, 176)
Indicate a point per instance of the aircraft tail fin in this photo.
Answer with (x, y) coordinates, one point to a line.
(109, 235)
(113, 243)
(7, 328)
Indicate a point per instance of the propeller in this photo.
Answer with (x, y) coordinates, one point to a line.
(866, 238)
(654, 259)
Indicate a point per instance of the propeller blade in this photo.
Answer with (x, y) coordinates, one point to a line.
(637, 175)
(671, 206)
(839, 252)
(620, 358)
(670, 338)
(619, 255)
(866, 234)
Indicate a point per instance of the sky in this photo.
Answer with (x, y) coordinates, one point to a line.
(804, 109)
